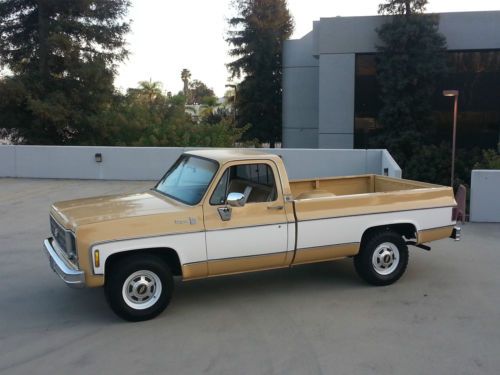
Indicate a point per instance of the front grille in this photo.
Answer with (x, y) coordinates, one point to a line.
(59, 234)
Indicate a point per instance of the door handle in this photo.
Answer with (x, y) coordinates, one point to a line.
(224, 213)
(275, 207)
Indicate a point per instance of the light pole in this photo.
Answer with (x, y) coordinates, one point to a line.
(453, 93)
(234, 87)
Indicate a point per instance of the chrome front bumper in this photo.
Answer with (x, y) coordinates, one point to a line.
(72, 276)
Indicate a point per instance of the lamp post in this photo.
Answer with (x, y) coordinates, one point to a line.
(453, 93)
(234, 87)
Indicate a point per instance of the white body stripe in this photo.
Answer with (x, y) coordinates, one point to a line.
(291, 237)
(189, 246)
(240, 242)
(275, 238)
(349, 229)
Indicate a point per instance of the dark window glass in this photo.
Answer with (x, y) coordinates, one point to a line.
(220, 192)
(476, 74)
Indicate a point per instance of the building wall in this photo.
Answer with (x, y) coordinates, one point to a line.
(336, 100)
(301, 93)
(319, 79)
(485, 196)
(150, 163)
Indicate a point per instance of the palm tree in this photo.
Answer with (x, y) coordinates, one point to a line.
(151, 90)
(186, 76)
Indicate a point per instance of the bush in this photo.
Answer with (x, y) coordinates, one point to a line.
(490, 160)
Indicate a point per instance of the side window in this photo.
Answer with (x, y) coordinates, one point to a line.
(220, 193)
(255, 181)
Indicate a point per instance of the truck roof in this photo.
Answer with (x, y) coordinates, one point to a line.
(226, 155)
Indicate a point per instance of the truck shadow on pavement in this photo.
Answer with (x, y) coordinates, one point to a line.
(67, 306)
(279, 284)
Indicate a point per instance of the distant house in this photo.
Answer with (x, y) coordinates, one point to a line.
(197, 110)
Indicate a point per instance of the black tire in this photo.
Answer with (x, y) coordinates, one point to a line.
(370, 267)
(155, 287)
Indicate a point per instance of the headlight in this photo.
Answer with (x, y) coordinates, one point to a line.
(65, 238)
(71, 246)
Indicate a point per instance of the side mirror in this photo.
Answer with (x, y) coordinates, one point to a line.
(236, 200)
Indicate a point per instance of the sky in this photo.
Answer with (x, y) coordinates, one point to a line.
(170, 35)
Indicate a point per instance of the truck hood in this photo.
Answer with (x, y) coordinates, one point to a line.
(78, 212)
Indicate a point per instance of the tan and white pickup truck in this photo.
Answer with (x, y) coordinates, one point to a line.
(220, 212)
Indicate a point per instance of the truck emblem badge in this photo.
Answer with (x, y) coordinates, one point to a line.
(190, 220)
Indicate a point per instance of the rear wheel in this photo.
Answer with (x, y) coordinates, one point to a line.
(383, 258)
(139, 287)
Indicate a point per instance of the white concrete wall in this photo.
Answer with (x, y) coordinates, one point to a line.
(150, 163)
(389, 165)
(485, 196)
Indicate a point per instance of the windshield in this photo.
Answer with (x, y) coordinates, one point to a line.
(188, 179)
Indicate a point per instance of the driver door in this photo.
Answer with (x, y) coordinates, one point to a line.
(252, 237)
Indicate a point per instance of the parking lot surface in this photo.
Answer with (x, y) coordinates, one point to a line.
(442, 317)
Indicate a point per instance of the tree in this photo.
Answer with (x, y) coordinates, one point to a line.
(410, 61)
(147, 117)
(62, 55)
(148, 91)
(399, 7)
(257, 35)
(186, 76)
(199, 93)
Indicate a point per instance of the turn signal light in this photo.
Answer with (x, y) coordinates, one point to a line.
(97, 260)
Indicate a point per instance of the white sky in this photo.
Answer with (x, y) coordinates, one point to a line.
(169, 35)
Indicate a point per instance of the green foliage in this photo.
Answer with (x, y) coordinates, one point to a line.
(62, 56)
(257, 35)
(195, 91)
(185, 76)
(399, 7)
(430, 163)
(490, 160)
(145, 119)
(199, 93)
(410, 61)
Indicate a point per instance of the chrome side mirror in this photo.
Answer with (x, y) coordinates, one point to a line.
(236, 199)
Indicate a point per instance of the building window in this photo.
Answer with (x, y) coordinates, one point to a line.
(475, 73)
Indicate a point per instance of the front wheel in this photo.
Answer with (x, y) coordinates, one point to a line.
(139, 287)
(382, 259)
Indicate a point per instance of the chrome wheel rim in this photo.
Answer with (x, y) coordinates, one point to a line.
(385, 258)
(142, 289)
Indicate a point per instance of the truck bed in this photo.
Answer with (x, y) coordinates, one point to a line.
(351, 185)
(337, 210)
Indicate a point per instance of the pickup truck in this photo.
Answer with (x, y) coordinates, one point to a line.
(221, 212)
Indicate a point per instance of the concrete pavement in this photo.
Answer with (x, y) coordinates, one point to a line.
(442, 317)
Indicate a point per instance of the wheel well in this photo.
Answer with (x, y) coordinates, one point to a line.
(169, 256)
(404, 229)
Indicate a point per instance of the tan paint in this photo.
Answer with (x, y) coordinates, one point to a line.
(119, 217)
(122, 217)
(246, 264)
(434, 234)
(350, 185)
(268, 261)
(362, 204)
(252, 214)
(193, 271)
(325, 253)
